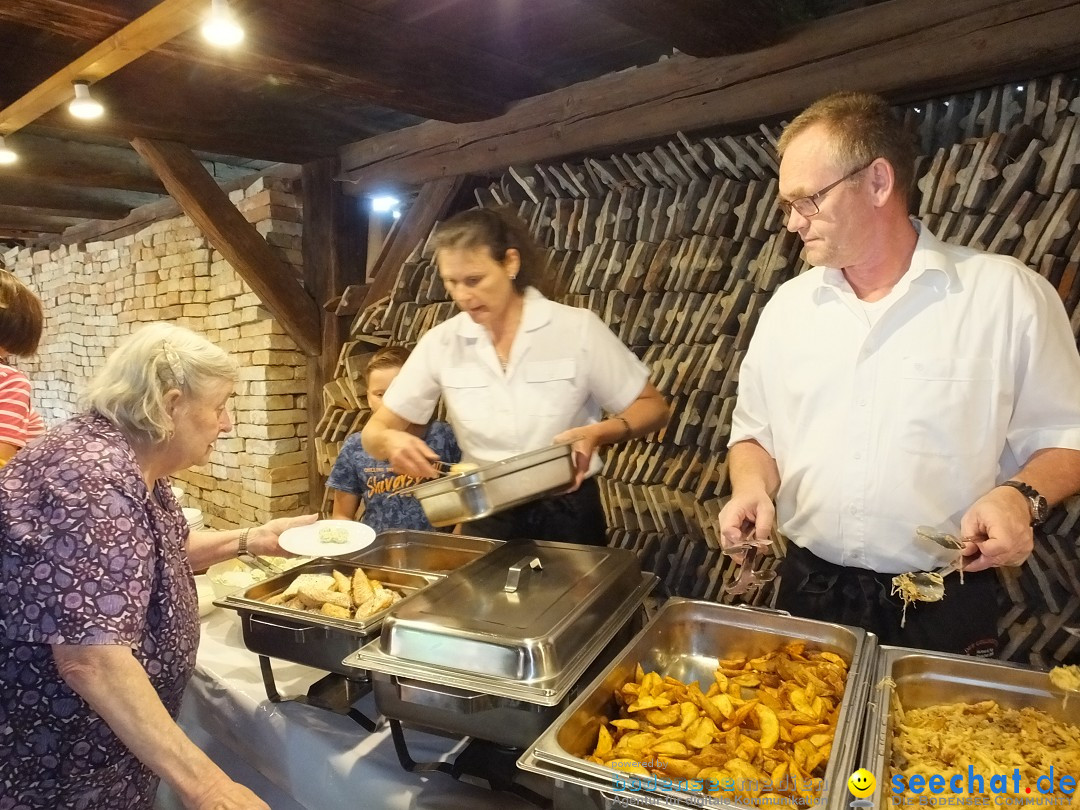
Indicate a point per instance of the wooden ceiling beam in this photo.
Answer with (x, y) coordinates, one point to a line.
(14, 216)
(54, 160)
(145, 33)
(70, 201)
(702, 27)
(236, 239)
(287, 45)
(905, 49)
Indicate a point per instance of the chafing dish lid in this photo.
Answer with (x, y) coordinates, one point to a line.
(522, 612)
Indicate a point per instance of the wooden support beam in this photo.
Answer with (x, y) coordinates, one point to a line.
(334, 246)
(431, 204)
(160, 24)
(906, 49)
(237, 240)
(702, 27)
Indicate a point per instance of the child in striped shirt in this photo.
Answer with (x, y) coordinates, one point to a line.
(21, 319)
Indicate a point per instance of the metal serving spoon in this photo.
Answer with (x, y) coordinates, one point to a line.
(929, 585)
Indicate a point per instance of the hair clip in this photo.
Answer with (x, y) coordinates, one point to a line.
(173, 361)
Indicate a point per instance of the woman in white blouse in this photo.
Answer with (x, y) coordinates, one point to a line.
(518, 372)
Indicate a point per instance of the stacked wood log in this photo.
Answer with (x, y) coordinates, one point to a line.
(679, 247)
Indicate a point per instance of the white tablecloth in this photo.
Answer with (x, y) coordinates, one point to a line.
(296, 756)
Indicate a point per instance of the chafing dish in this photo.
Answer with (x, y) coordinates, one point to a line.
(494, 649)
(494, 487)
(311, 638)
(919, 678)
(685, 639)
(430, 552)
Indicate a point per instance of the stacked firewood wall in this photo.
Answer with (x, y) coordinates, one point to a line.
(678, 248)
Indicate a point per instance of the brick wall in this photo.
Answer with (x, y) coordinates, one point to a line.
(97, 293)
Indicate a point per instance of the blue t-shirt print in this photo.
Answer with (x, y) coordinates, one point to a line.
(376, 482)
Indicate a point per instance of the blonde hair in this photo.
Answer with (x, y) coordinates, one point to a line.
(862, 127)
(130, 388)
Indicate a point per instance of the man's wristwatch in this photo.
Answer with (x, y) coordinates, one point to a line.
(1036, 502)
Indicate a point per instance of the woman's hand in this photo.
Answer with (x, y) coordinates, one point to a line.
(264, 539)
(409, 455)
(583, 444)
(226, 795)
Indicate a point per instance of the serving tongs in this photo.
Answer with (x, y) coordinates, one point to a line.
(748, 577)
(255, 561)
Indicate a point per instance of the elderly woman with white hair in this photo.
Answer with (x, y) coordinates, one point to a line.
(98, 611)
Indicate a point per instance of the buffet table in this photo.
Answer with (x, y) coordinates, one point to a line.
(296, 756)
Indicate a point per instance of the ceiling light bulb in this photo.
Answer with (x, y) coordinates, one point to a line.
(7, 155)
(221, 27)
(83, 105)
(382, 203)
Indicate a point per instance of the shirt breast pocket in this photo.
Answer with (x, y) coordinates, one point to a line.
(466, 392)
(945, 405)
(550, 387)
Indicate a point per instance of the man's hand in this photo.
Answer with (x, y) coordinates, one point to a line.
(753, 508)
(997, 529)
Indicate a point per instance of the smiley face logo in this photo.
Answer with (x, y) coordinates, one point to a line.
(861, 783)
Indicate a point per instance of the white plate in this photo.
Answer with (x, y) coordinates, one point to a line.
(305, 540)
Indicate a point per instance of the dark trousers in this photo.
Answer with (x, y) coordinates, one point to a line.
(575, 517)
(964, 622)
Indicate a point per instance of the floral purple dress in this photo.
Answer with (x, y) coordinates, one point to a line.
(87, 556)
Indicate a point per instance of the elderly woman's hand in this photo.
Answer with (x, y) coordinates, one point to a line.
(224, 794)
(264, 539)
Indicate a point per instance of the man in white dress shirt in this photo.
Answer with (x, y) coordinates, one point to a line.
(901, 381)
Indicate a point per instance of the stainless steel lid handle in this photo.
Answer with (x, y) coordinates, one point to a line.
(522, 568)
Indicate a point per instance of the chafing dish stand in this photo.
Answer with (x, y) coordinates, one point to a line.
(334, 692)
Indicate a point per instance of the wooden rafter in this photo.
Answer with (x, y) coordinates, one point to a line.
(160, 24)
(702, 27)
(905, 49)
(237, 240)
(70, 201)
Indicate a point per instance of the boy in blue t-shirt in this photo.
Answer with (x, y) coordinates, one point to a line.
(357, 476)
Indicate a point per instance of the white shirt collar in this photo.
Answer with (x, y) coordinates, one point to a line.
(929, 266)
(536, 312)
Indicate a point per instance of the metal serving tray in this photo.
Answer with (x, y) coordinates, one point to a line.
(494, 487)
(920, 678)
(685, 639)
(430, 552)
(310, 638)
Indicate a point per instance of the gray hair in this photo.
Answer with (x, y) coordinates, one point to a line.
(130, 388)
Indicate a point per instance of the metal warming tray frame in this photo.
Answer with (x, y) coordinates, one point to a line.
(685, 639)
(494, 487)
(920, 678)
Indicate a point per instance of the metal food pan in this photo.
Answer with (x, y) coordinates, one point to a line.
(311, 638)
(497, 486)
(430, 552)
(684, 640)
(920, 678)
